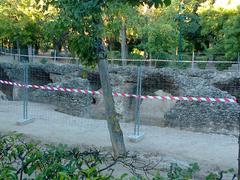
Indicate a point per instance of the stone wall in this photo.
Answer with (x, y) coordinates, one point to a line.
(196, 116)
(70, 103)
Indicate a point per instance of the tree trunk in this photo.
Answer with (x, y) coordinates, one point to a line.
(65, 49)
(114, 128)
(238, 175)
(123, 36)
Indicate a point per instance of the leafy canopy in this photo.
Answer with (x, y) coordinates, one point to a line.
(85, 19)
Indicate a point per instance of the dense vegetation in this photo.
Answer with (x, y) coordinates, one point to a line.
(22, 158)
(136, 31)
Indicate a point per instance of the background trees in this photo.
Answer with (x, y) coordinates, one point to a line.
(128, 29)
(21, 22)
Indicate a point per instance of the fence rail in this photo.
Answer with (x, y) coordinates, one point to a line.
(193, 58)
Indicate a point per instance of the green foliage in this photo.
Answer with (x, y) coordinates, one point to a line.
(217, 176)
(231, 32)
(177, 172)
(79, 25)
(44, 61)
(222, 66)
(156, 42)
(115, 15)
(201, 65)
(19, 158)
(85, 19)
(21, 21)
(220, 27)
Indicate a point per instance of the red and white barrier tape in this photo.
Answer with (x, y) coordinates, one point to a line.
(163, 98)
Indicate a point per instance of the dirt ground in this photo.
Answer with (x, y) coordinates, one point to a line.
(212, 151)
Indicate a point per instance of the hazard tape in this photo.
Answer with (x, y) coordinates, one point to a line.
(115, 94)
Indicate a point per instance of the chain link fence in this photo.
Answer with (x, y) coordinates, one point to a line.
(194, 60)
(64, 103)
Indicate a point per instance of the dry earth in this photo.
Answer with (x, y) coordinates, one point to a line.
(212, 151)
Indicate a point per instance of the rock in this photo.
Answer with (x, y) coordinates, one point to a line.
(71, 103)
(196, 116)
(17, 93)
(204, 116)
(153, 111)
(3, 97)
(122, 105)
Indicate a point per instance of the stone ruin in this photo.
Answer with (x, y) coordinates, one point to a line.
(195, 116)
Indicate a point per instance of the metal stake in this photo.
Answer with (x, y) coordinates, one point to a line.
(25, 119)
(193, 58)
(238, 62)
(55, 55)
(25, 101)
(137, 103)
(137, 136)
(19, 55)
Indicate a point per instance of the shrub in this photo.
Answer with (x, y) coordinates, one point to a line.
(21, 158)
(44, 61)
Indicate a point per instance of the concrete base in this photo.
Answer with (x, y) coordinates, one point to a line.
(136, 138)
(25, 122)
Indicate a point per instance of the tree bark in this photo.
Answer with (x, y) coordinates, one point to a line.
(123, 35)
(114, 128)
(238, 175)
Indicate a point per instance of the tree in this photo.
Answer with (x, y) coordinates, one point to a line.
(21, 21)
(119, 21)
(87, 28)
(56, 32)
(220, 28)
(232, 35)
(158, 31)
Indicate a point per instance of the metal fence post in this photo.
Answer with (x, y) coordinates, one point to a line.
(238, 62)
(55, 55)
(25, 100)
(193, 58)
(137, 103)
(30, 53)
(25, 119)
(33, 54)
(137, 136)
(19, 54)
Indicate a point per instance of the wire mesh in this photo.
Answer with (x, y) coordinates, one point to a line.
(194, 60)
(79, 117)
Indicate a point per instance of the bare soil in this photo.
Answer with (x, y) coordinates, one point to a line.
(211, 151)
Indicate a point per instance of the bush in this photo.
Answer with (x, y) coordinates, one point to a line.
(222, 66)
(114, 54)
(21, 158)
(201, 65)
(180, 65)
(44, 61)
